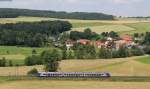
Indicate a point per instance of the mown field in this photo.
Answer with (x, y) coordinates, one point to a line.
(47, 84)
(98, 26)
(106, 28)
(133, 66)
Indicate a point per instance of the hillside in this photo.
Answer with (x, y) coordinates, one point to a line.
(98, 26)
(132, 66)
(12, 13)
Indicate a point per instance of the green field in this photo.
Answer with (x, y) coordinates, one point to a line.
(107, 28)
(139, 27)
(88, 24)
(121, 26)
(5, 50)
(145, 60)
(18, 54)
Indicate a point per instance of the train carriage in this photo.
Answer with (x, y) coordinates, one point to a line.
(74, 74)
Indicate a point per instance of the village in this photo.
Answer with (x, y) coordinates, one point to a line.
(115, 43)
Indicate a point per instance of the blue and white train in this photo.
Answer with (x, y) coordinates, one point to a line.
(74, 74)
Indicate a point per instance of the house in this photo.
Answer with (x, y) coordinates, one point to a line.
(84, 41)
(69, 44)
(127, 38)
(110, 43)
(99, 44)
(109, 39)
(119, 43)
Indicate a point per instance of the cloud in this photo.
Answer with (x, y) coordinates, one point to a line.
(116, 7)
(126, 1)
(72, 1)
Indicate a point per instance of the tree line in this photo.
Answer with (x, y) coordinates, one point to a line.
(91, 52)
(88, 34)
(13, 13)
(33, 34)
(49, 58)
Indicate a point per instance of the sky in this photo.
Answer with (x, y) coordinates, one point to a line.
(113, 7)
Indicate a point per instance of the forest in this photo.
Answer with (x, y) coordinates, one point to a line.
(32, 34)
(13, 13)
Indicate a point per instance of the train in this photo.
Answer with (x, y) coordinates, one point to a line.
(74, 74)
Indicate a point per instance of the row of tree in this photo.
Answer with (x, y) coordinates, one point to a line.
(121, 53)
(12, 13)
(90, 52)
(88, 34)
(33, 34)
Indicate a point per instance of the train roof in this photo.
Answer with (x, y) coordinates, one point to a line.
(75, 72)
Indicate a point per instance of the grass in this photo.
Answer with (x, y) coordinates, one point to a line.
(139, 27)
(117, 67)
(18, 54)
(14, 50)
(24, 19)
(46, 84)
(18, 71)
(18, 62)
(121, 26)
(88, 24)
(106, 28)
(145, 60)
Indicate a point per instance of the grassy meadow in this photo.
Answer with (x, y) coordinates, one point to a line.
(18, 54)
(145, 60)
(132, 66)
(117, 67)
(98, 26)
(99, 29)
(47, 84)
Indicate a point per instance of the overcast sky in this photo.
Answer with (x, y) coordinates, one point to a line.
(115, 7)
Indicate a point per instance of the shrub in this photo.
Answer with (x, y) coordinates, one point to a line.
(34, 51)
(115, 54)
(105, 53)
(10, 63)
(137, 52)
(147, 50)
(3, 62)
(123, 52)
(33, 72)
(33, 60)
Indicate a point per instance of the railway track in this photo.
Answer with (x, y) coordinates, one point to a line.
(113, 78)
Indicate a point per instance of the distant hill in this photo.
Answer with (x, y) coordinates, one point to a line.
(12, 13)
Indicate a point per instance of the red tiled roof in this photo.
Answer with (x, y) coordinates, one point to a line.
(127, 38)
(99, 43)
(83, 41)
